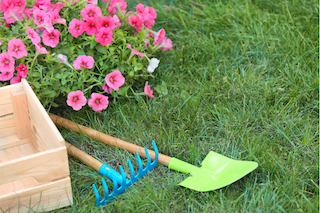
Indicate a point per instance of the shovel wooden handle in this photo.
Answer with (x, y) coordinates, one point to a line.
(83, 157)
(107, 139)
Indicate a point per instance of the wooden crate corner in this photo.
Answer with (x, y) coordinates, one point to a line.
(34, 169)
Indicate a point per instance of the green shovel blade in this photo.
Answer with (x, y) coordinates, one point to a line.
(217, 171)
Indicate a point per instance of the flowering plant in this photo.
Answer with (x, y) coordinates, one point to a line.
(80, 50)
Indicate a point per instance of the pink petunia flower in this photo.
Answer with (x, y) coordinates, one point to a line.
(135, 22)
(94, 2)
(15, 80)
(22, 70)
(117, 4)
(165, 44)
(57, 6)
(107, 89)
(6, 62)
(6, 5)
(148, 90)
(104, 36)
(7, 75)
(159, 35)
(0, 42)
(76, 100)
(152, 12)
(16, 48)
(91, 27)
(51, 39)
(116, 21)
(91, 12)
(142, 13)
(148, 23)
(40, 49)
(55, 17)
(76, 27)
(107, 21)
(146, 42)
(115, 80)
(135, 51)
(28, 13)
(98, 102)
(21, 4)
(39, 16)
(11, 15)
(35, 38)
(48, 25)
(83, 61)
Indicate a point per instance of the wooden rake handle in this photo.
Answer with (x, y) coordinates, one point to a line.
(107, 139)
(84, 157)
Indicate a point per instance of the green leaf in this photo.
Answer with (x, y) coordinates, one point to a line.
(81, 52)
(101, 49)
(65, 50)
(56, 85)
(36, 74)
(49, 93)
(123, 91)
(92, 44)
(54, 104)
(138, 67)
(70, 38)
(36, 85)
(57, 76)
(111, 50)
(63, 81)
(162, 89)
(184, 95)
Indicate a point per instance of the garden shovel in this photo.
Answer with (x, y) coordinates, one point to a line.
(217, 171)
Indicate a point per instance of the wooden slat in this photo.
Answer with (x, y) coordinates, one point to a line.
(18, 185)
(21, 114)
(4, 132)
(6, 109)
(6, 106)
(11, 141)
(41, 198)
(38, 140)
(5, 98)
(37, 113)
(6, 121)
(16, 152)
(45, 166)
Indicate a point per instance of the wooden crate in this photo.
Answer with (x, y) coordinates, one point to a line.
(34, 170)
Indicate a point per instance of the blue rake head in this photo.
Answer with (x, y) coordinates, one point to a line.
(120, 179)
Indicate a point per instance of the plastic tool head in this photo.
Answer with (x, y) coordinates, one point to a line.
(121, 184)
(217, 171)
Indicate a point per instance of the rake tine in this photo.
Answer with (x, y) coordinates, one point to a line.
(106, 189)
(140, 172)
(124, 178)
(132, 172)
(156, 159)
(148, 158)
(96, 193)
(120, 182)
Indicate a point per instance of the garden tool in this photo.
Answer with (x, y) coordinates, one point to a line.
(117, 179)
(217, 171)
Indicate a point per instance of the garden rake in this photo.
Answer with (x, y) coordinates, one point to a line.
(117, 179)
(217, 171)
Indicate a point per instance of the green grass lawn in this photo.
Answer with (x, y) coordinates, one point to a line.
(243, 81)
